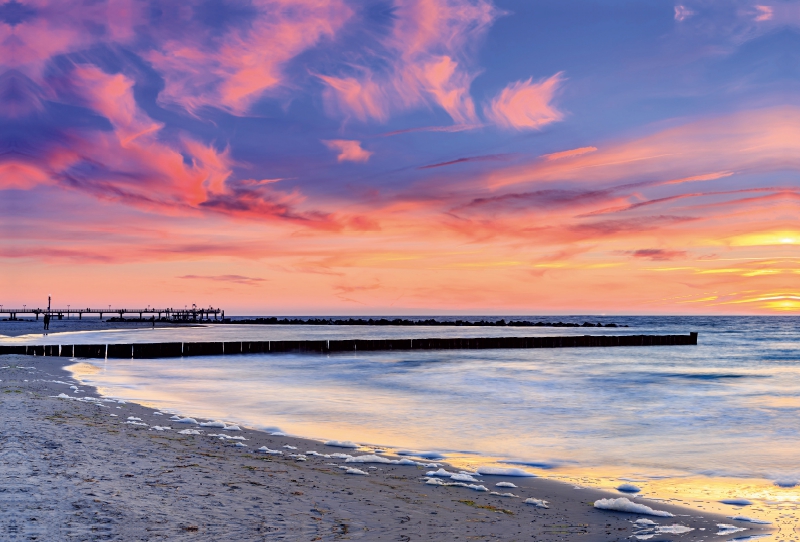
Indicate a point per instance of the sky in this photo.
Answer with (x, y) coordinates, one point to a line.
(402, 156)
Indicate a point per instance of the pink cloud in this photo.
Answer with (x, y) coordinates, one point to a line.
(235, 279)
(427, 58)
(682, 13)
(349, 150)
(658, 254)
(362, 98)
(60, 27)
(235, 70)
(764, 13)
(750, 140)
(526, 105)
(131, 164)
(568, 154)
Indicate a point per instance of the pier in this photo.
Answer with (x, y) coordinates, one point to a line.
(192, 314)
(178, 350)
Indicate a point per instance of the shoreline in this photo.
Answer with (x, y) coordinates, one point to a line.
(130, 479)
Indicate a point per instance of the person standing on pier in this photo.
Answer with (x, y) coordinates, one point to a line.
(46, 321)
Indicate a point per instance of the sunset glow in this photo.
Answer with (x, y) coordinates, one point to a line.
(401, 156)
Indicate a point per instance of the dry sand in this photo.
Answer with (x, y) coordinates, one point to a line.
(69, 470)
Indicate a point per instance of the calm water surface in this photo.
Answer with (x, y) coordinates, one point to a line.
(726, 410)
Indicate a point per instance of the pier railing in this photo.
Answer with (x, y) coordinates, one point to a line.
(177, 349)
(170, 314)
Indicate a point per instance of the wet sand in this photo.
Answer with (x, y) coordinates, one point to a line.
(77, 469)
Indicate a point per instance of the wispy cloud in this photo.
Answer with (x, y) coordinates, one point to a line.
(658, 254)
(568, 154)
(764, 13)
(423, 60)
(682, 13)
(236, 279)
(526, 105)
(349, 150)
(484, 158)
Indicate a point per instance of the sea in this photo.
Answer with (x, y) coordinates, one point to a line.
(692, 425)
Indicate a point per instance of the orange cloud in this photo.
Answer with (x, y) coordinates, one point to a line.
(568, 154)
(765, 139)
(349, 150)
(525, 105)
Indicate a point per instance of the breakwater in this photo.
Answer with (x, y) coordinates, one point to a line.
(185, 349)
(408, 322)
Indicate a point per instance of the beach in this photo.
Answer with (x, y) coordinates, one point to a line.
(79, 467)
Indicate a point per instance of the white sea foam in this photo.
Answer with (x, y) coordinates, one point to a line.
(438, 482)
(645, 521)
(538, 503)
(135, 419)
(226, 437)
(651, 532)
(378, 459)
(289, 447)
(161, 428)
(130, 422)
(213, 424)
(505, 484)
(498, 471)
(266, 450)
(190, 432)
(186, 420)
(425, 454)
(750, 520)
(441, 472)
(727, 528)
(674, 529)
(341, 443)
(355, 471)
(240, 445)
(341, 456)
(628, 488)
(737, 502)
(158, 413)
(278, 434)
(367, 459)
(317, 454)
(231, 427)
(502, 494)
(624, 505)
(463, 478)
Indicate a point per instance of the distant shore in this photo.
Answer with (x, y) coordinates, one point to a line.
(31, 326)
(75, 464)
(412, 322)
